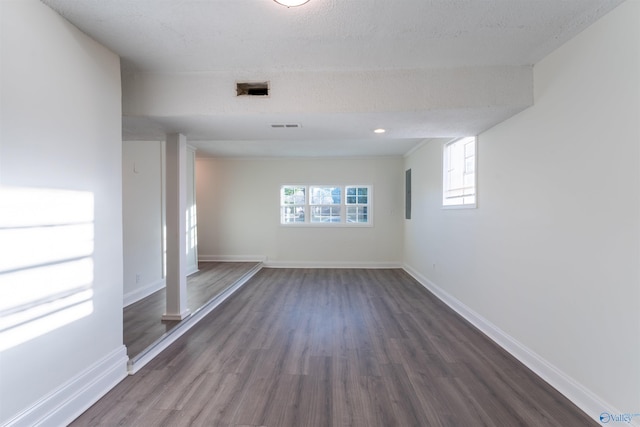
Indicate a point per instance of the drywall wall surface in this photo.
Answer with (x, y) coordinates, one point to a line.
(61, 179)
(330, 91)
(142, 218)
(551, 255)
(239, 211)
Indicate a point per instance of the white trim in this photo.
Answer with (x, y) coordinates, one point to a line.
(140, 293)
(582, 397)
(138, 362)
(450, 203)
(467, 206)
(331, 264)
(204, 157)
(232, 258)
(416, 147)
(176, 317)
(326, 225)
(70, 400)
(425, 142)
(298, 264)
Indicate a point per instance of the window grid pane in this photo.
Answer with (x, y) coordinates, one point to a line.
(357, 214)
(325, 213)
(292, 204)
(292, 195)
(357, 195)
(459, 182)
(291, 214)
(324, 195)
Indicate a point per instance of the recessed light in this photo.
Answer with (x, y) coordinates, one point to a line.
(380, 130)
(291, 3)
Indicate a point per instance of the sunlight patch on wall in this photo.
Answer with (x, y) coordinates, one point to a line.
(46, 261)
(192, 229)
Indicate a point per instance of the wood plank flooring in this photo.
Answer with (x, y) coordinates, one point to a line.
(142, 324)
(326, 347)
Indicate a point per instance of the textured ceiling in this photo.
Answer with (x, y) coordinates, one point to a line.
(219, 41)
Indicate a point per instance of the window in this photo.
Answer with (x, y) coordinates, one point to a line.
(292, 204)
(325, 204)
(459, 173)
(357, 204)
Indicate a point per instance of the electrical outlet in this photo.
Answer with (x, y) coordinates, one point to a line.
(137, 278)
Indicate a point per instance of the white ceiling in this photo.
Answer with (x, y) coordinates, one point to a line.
(216, 40)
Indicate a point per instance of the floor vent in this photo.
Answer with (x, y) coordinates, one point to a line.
(252, 89)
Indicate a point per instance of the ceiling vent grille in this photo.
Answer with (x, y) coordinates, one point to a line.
(252, 89)
(285, 125)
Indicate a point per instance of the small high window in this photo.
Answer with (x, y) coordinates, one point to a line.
(459, 173)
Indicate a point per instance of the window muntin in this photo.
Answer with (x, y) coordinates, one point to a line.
(357, 204)
(292, 204)
(459, 173)
(325, 205)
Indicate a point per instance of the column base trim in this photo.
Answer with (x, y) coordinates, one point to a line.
(176, 317)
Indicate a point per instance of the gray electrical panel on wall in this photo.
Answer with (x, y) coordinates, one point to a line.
(407, 194)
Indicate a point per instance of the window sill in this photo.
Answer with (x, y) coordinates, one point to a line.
(472, 206)
(327, 225)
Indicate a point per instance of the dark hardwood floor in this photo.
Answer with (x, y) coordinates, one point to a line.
(327, 347)
(142, 324)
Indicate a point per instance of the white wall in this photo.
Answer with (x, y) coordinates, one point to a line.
(61, 136)
(551, 255)
(142, 218)
(238, 211)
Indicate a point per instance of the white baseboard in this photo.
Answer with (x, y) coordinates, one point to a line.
(582, 397)
(231, 258)
(331, 264)
(143, 292)
(70, 400)
(297, 264)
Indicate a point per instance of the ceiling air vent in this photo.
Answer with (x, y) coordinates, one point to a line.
(252, 89)
(285, 125)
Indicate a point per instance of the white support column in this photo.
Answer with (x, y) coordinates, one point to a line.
(176, 225)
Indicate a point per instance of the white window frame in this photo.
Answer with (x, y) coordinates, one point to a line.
(292, 210)
(343, 206)
(357, 204)
(460, 174)
(319, 208)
